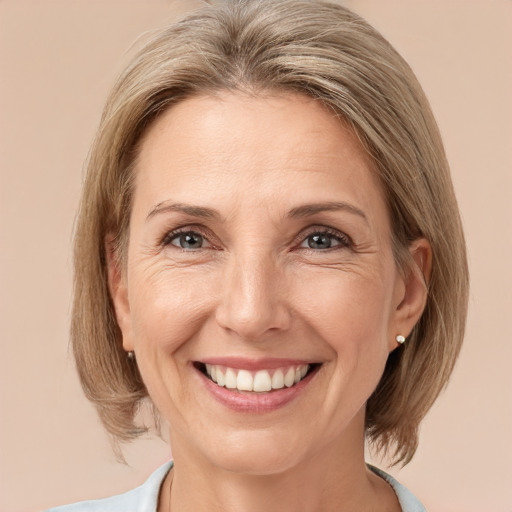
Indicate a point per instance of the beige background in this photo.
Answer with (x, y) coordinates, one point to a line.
(57, 61)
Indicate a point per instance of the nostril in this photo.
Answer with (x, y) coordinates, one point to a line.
(254, 323)
(251, 306)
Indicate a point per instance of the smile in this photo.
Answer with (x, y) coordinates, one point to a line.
(255, 386)
(261, 381)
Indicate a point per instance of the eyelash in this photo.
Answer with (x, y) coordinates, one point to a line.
(175, 233)
(343, 240)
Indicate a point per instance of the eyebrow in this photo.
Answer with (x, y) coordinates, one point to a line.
(193, 211)
(302, 211)
(312, 209)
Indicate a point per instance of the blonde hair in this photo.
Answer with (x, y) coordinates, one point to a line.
(328, 53)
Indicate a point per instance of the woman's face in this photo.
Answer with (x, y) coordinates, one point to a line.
(259, 253)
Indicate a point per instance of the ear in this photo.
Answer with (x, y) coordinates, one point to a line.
(412, 294)
(118, 289)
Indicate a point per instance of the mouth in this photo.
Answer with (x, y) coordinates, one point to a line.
(261, 381)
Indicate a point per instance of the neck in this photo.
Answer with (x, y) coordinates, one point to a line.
(332, 479)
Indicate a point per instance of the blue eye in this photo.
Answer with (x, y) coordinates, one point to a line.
(189, 240)
(323, 240)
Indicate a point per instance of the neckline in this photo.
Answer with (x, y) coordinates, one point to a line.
(408, 502)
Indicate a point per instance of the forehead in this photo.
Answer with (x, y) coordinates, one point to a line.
(282, 147)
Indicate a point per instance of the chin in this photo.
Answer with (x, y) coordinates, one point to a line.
(256, 453)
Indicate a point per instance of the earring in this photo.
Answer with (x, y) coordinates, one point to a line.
(400, 339)
(131, 355)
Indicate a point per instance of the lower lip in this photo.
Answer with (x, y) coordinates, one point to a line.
(252, 402)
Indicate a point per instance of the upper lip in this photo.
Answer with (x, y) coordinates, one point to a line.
(242, 363)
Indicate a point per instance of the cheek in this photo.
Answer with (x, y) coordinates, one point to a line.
(346, 306)
(168, 307)
(351, 317)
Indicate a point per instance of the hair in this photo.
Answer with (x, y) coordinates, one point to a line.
(325, 52)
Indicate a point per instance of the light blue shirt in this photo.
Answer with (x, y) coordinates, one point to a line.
(145, 497)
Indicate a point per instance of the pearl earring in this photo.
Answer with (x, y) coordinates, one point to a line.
(131, 354)
(400, 339)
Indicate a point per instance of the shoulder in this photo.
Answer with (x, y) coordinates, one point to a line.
(406, 498)
(141, 499)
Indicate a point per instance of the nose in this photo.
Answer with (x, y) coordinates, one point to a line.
(253, 299)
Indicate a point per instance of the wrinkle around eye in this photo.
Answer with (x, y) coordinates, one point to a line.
(365, 270)
(342, 252)
(166, 259)
(163, 269)
(345, 258)
(345, 266)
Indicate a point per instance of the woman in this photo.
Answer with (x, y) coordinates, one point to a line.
(268, 251)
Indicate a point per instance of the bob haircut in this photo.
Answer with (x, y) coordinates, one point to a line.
(325, 52)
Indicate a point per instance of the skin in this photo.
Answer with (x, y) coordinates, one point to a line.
(255, 288)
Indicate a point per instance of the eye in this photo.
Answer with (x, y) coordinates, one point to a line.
(322, 240)
(187, 240)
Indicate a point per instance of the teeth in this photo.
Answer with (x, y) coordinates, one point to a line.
(278, 380)
(220, 378)
(261, 381)
(230, 379)
(243, 380)
(289, 378)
